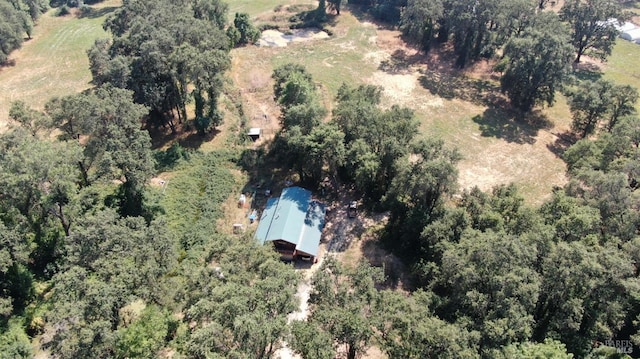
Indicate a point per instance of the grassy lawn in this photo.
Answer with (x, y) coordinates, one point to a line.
(256, 7)
(54, 62)
(622, 65)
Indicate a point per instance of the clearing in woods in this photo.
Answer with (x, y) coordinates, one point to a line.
(464, 108)
(54, 61)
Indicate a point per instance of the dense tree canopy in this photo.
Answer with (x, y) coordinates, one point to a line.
(344, 306)
(97, 264)
(537, 63)
(108, 124)
(419, 21)
(591, 31)
(167, 53)
(593, 103)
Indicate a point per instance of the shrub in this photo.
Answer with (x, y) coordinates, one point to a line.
(63, 11)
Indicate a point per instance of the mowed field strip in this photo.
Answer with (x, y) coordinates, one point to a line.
(54, 62)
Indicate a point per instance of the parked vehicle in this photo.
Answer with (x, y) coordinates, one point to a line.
(352, 210)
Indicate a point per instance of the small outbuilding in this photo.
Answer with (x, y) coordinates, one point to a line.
(631, 35)
(625, 26)
(254, 133)
(293, 222)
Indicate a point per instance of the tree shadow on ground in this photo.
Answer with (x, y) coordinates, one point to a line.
(400, 62)
(184, 135)
(397, 275)
(93, 13)
(308, 19)
(360, 12)
(511, 125)
(563, 141)
(8, 63)
(586, 72)
(264, 173)
(454, 85)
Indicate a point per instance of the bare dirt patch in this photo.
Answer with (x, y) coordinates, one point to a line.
(275, 38)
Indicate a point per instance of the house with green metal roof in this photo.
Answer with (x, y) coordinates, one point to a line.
(293, 222)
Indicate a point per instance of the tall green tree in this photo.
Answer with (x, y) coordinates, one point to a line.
(491, 285)
(591, 32)
(480, 28)
(115, 146)
(145, 336)
(537, 63)
(39, 189)
(16, 286)
(571, 219)
(240, 310)
(425, 179)
(343, 304)
(13, 25)
(589, 105)
(247, 33)
(375, 138)
(624, 99)
(583, 294)
(323, 152)
(310, 341)
(14, 342)
(166, 53)
(550, 349)
(601, 101)
(110, 262)
(419, 21)
(282, 73)
(409, 329)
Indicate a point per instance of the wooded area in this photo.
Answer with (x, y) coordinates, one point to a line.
(97, 263)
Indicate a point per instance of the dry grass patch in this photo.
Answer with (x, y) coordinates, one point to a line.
(53, 63)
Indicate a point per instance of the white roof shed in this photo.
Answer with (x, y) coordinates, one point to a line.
(254, 133)
(625, 26)
(631, 35)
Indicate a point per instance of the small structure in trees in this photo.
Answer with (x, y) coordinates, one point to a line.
(625, 26)
(254, 133)
(352, 210)
(631, 35)
(293, 222)
(238, 228)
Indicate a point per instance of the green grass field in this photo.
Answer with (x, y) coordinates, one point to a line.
(254, 7)
(622, 66)
(54, 62)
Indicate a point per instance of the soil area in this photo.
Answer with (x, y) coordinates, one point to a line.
(275, 38)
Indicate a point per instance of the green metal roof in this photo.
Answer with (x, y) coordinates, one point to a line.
(294, 218)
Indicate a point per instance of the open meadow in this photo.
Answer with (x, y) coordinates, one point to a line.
(54, 62)
(465, 108)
